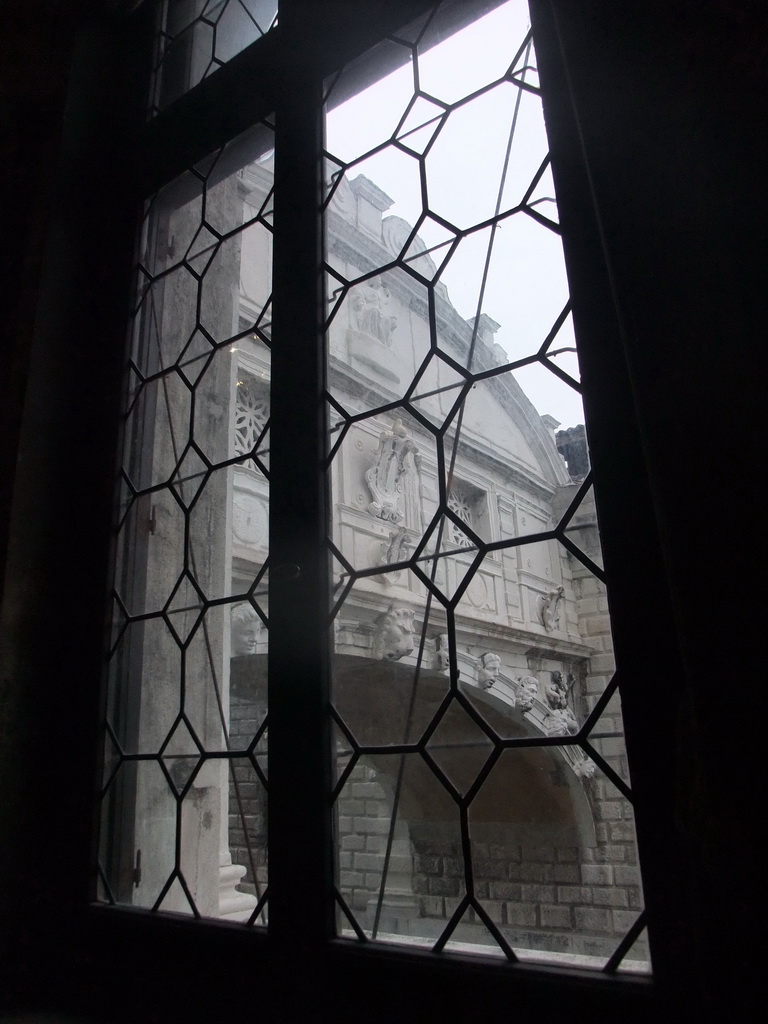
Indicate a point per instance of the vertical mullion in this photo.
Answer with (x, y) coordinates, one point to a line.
(300, 862)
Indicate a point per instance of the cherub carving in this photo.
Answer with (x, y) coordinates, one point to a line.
(393, 638)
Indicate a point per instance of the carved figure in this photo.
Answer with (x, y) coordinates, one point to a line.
(527, 692)
(557, 691)
(549, 609)
(585, 768)
(393, 638)
(560, 719)
(246, 628)
(396, 455)
(560, 722)
(368, 311)
(488, 669)
(442, 662)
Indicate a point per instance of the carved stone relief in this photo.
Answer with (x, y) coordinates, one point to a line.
(396, 549)
(396, 457)
(560, 720)
(250, 520)
(393, 634)
(557, 691)
(343, 199)
(369, 311)
(371, 327)
(396, 232)
(549, 609)
(251, 415)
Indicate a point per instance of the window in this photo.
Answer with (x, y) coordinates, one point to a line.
(195, 37)
(470, 505)
(490, 811)
(311, 853)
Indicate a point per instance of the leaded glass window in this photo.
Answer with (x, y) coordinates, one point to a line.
(196, 37)
(482, 795)
(184, 788)
(481, 798)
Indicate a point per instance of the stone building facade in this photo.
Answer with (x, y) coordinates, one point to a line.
(552, 838)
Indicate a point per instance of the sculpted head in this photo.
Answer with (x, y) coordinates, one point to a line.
(528, 690)
(393, 638)
(246, 626)
(489, 668)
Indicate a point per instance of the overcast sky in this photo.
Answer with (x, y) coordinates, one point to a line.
(526, 287)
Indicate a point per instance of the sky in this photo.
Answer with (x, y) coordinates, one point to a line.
(526, 285)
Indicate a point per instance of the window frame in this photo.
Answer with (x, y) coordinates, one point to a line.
(149, 156)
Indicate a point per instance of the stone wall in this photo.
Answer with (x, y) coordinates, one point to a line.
(542, 885)
(363, 823)
(247, 797)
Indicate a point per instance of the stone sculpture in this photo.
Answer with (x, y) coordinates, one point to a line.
(393, 636)
(585, 767)
(368, 311)
(489, 666)
(560, 719)
(442, 661)
(396, 549)
(527, 692)
(549, 609)
(396, 455)
(560, 722)
(246, 629)
(557, 691)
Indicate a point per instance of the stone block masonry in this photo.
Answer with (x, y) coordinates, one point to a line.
(247, 798)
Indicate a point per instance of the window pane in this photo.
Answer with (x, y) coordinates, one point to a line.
(482, 798)
(184, 789)
(195, 37)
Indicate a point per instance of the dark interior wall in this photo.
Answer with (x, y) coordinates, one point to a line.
(35, 53)
(36, 44)
(670, 97)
